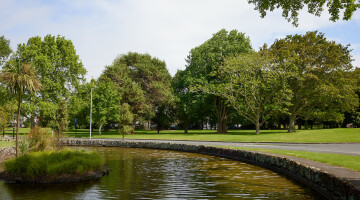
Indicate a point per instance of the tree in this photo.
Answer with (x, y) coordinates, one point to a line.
(253, 84)
(141, 81)
(60, 120)
(318, 81)
(106, 102)
(59, 69)
(192, 108)
(20, 77)
(5, 49)
(126, 119)
(208, 57)
(315, 7)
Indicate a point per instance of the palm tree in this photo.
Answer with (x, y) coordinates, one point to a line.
(19, 78)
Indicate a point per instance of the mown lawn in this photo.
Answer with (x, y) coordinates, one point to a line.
(300, 136)
(4, 144)
(347, 161)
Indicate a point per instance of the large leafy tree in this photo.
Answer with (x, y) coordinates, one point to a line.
(208, 57)
(20, 78)
(191, 108)
(141, 81)
(254, 85)
(58, 67)
(290, 9)
(319, 82)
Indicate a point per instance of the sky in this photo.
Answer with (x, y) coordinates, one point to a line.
(101, 30)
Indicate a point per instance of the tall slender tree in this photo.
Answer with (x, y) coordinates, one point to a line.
(19, 77)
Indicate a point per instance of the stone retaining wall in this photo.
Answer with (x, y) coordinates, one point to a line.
(326, 184)
(6, 153)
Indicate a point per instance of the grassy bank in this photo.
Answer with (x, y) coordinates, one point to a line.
(51, 163)
(347, 161)
(4, 144)
(300, 136)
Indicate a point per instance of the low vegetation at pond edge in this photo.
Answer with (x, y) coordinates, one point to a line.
(53, 163)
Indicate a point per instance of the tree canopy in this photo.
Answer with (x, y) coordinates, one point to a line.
(141, 81)
(319, 83)
(5, 49)
(290, 9)
(254, 85)
(208, 57)
(58, 67)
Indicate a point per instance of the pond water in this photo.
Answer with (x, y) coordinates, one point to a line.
(161, 174)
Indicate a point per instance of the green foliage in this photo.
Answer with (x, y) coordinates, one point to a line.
(254, 85)
(315, 7)
(58, 67)
(60, 120)
(24, 146)
(126, 119)
(141, 81)
(4, 118)
(106, 100)
(319, 81)
(5, 49)
(40, 140)
(19, 78)
(54, 163)
(208, 57)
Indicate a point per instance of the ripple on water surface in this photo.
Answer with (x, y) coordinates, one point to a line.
(160, 174)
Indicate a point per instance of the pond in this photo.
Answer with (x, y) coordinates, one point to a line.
(160, 174)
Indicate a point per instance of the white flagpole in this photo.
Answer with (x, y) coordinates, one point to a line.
(91, 112)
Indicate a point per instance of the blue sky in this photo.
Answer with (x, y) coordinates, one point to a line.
(167, 29)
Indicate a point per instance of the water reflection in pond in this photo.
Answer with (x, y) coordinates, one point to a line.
(160, 174)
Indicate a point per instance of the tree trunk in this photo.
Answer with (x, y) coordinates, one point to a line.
(18, 125)
(186, 125)
(221, 112)
(257, 126)
(32, 121)
(292, 123)
(100, 126)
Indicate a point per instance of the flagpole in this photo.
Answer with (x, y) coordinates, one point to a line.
(91, 112)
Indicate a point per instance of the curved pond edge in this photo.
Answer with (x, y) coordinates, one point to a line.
(327, 184)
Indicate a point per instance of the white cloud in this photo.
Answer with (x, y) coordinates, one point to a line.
(167, 29)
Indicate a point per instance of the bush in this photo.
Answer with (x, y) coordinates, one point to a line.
(53, 163)
(41, 140)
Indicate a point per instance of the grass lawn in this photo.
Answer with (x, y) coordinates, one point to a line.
(22, 131)
(347, 161)
(300, 136)
(4, 144)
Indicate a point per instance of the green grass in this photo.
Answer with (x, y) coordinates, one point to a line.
(300, 136)
(54, 163)
(4, 144)
(22, 131)
(347, 161)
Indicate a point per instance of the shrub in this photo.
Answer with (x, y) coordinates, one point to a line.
(40, 140)
(54, 163)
